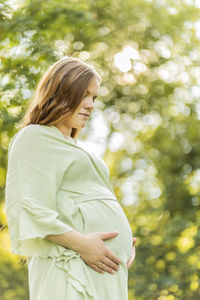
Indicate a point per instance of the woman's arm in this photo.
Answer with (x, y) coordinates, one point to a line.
(71, 239)
(91, 247)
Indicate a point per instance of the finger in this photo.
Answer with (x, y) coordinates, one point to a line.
(134, 241)
(107, 269)
(133, 253)
(129, 265)
(131, 259)
(108, 235)
(96, 268)
(113, 257)
(130, 262)
(110, 263)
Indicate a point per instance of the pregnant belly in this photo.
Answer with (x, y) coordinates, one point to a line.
(105, 216)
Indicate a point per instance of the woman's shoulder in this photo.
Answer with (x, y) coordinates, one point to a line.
(29, 131)
(30, 134)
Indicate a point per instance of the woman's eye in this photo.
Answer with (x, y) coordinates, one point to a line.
(89, 94)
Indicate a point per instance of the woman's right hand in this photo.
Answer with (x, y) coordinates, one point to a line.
(94, 250)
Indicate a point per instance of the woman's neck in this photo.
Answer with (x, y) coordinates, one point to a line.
(66, 131)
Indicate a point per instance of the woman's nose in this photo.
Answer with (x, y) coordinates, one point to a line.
(90, 104)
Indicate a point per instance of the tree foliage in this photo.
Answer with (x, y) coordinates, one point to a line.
(147, 53)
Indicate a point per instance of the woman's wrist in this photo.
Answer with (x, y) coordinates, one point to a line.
(75, 240)
(71, 239)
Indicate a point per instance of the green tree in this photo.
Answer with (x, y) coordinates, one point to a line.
(147, 54)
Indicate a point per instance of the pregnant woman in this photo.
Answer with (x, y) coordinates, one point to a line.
(61, 210)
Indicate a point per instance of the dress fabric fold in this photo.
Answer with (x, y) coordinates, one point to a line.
(54, 186)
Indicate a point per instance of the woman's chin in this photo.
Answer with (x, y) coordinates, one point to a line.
(80, 125)
(83, 123)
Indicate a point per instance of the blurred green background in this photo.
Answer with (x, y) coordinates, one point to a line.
(147, 117)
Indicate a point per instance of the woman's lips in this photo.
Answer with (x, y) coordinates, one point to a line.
(86, 116)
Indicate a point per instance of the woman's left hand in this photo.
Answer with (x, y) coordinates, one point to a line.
(131, 259)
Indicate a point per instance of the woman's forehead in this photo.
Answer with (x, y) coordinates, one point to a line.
(93, 87)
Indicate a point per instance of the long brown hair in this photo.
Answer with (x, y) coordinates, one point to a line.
(59, 92)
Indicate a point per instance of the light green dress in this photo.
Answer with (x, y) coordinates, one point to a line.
(52, 187)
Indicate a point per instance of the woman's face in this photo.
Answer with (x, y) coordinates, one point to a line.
(78, 118)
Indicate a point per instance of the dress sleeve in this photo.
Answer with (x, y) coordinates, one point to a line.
(30, 193)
